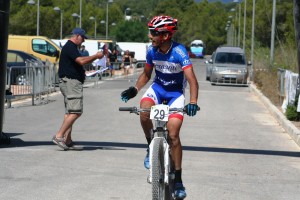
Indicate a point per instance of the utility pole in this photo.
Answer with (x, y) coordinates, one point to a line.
(273, 33)
(4, 16)
(297, 33)
(244, 33)
(252, 41)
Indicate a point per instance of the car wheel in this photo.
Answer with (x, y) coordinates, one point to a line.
(21, 80)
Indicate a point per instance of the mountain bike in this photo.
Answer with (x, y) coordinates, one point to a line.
(162, 171)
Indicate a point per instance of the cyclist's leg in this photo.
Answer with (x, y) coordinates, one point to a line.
(149, 99)
(174, 125)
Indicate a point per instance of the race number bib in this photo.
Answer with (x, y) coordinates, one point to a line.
(159, 112)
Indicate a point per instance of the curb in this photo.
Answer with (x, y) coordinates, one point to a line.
(287, 125)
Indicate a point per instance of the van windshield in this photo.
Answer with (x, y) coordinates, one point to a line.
(197, 45)
(232, 58)
(43, 47)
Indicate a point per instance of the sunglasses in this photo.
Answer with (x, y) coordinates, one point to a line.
(154, 33)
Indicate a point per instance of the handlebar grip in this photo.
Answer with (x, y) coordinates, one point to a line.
(184, 110)
(131, 109)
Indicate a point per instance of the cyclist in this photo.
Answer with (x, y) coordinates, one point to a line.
(172, 69)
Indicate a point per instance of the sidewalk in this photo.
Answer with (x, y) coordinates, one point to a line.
(287, 125)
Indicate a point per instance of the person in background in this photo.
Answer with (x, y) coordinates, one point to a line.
(71, 78)
(112, 59)
(127, 61)
(173, 69)
(83, 51)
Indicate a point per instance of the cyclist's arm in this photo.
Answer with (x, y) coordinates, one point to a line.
(144, 77)
(192, 80)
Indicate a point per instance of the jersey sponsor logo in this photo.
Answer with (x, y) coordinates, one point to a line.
(166, 83)
(180, 52)
(186, 62)
(167, 67)
(151, 96)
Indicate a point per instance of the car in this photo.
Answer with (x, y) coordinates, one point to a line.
(227, 66)
(16, 63)
(209, 66)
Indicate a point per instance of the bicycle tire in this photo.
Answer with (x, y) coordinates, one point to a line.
(158, 185)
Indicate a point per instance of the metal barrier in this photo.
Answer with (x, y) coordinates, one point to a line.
(32, 80)
(287, 84)
(119, 71)
(281, 78)
(36, 79)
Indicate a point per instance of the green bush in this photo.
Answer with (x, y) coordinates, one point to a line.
(291, 113)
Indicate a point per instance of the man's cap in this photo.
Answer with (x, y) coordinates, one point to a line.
(81, 32)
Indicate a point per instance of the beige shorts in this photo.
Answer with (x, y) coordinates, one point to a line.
(72, 90)
(127, 66)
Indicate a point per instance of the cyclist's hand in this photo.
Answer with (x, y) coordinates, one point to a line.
(128, 94)
(191, 109)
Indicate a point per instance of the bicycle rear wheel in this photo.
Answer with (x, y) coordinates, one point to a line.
(158, 185)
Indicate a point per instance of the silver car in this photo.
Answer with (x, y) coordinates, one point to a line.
(209, 66)
(227, 66)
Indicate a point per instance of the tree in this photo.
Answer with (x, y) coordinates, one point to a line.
(131, 31)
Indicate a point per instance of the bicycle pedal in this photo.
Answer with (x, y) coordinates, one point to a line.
(176, 198)
(173, 196)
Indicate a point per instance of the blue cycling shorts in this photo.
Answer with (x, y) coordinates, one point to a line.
(157, 95)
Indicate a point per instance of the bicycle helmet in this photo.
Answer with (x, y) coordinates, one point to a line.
(163, 24)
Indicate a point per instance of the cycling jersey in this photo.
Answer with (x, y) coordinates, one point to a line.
(169, 67)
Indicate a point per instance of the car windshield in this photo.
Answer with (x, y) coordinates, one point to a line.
(232, 58)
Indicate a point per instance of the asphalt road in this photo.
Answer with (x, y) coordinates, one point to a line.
(233, 149)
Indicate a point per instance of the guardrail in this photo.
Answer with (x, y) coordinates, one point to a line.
(119, 71)
(33, 80)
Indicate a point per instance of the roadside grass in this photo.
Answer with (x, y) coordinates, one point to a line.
(265, 76)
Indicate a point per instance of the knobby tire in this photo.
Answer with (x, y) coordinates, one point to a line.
(158, 186)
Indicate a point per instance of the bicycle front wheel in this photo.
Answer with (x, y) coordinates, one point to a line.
(158, 185)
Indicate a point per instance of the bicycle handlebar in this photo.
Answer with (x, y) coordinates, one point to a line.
(137, 110)
(131, 109)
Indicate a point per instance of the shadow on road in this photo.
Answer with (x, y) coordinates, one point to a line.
(95, 145)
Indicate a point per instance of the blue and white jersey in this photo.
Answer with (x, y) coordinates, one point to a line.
(169, 67)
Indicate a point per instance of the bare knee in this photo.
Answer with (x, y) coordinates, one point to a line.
(175, 140)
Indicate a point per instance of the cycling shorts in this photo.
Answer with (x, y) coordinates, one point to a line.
(157, 95)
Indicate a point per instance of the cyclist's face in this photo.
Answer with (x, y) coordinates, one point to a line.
(156, 38)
